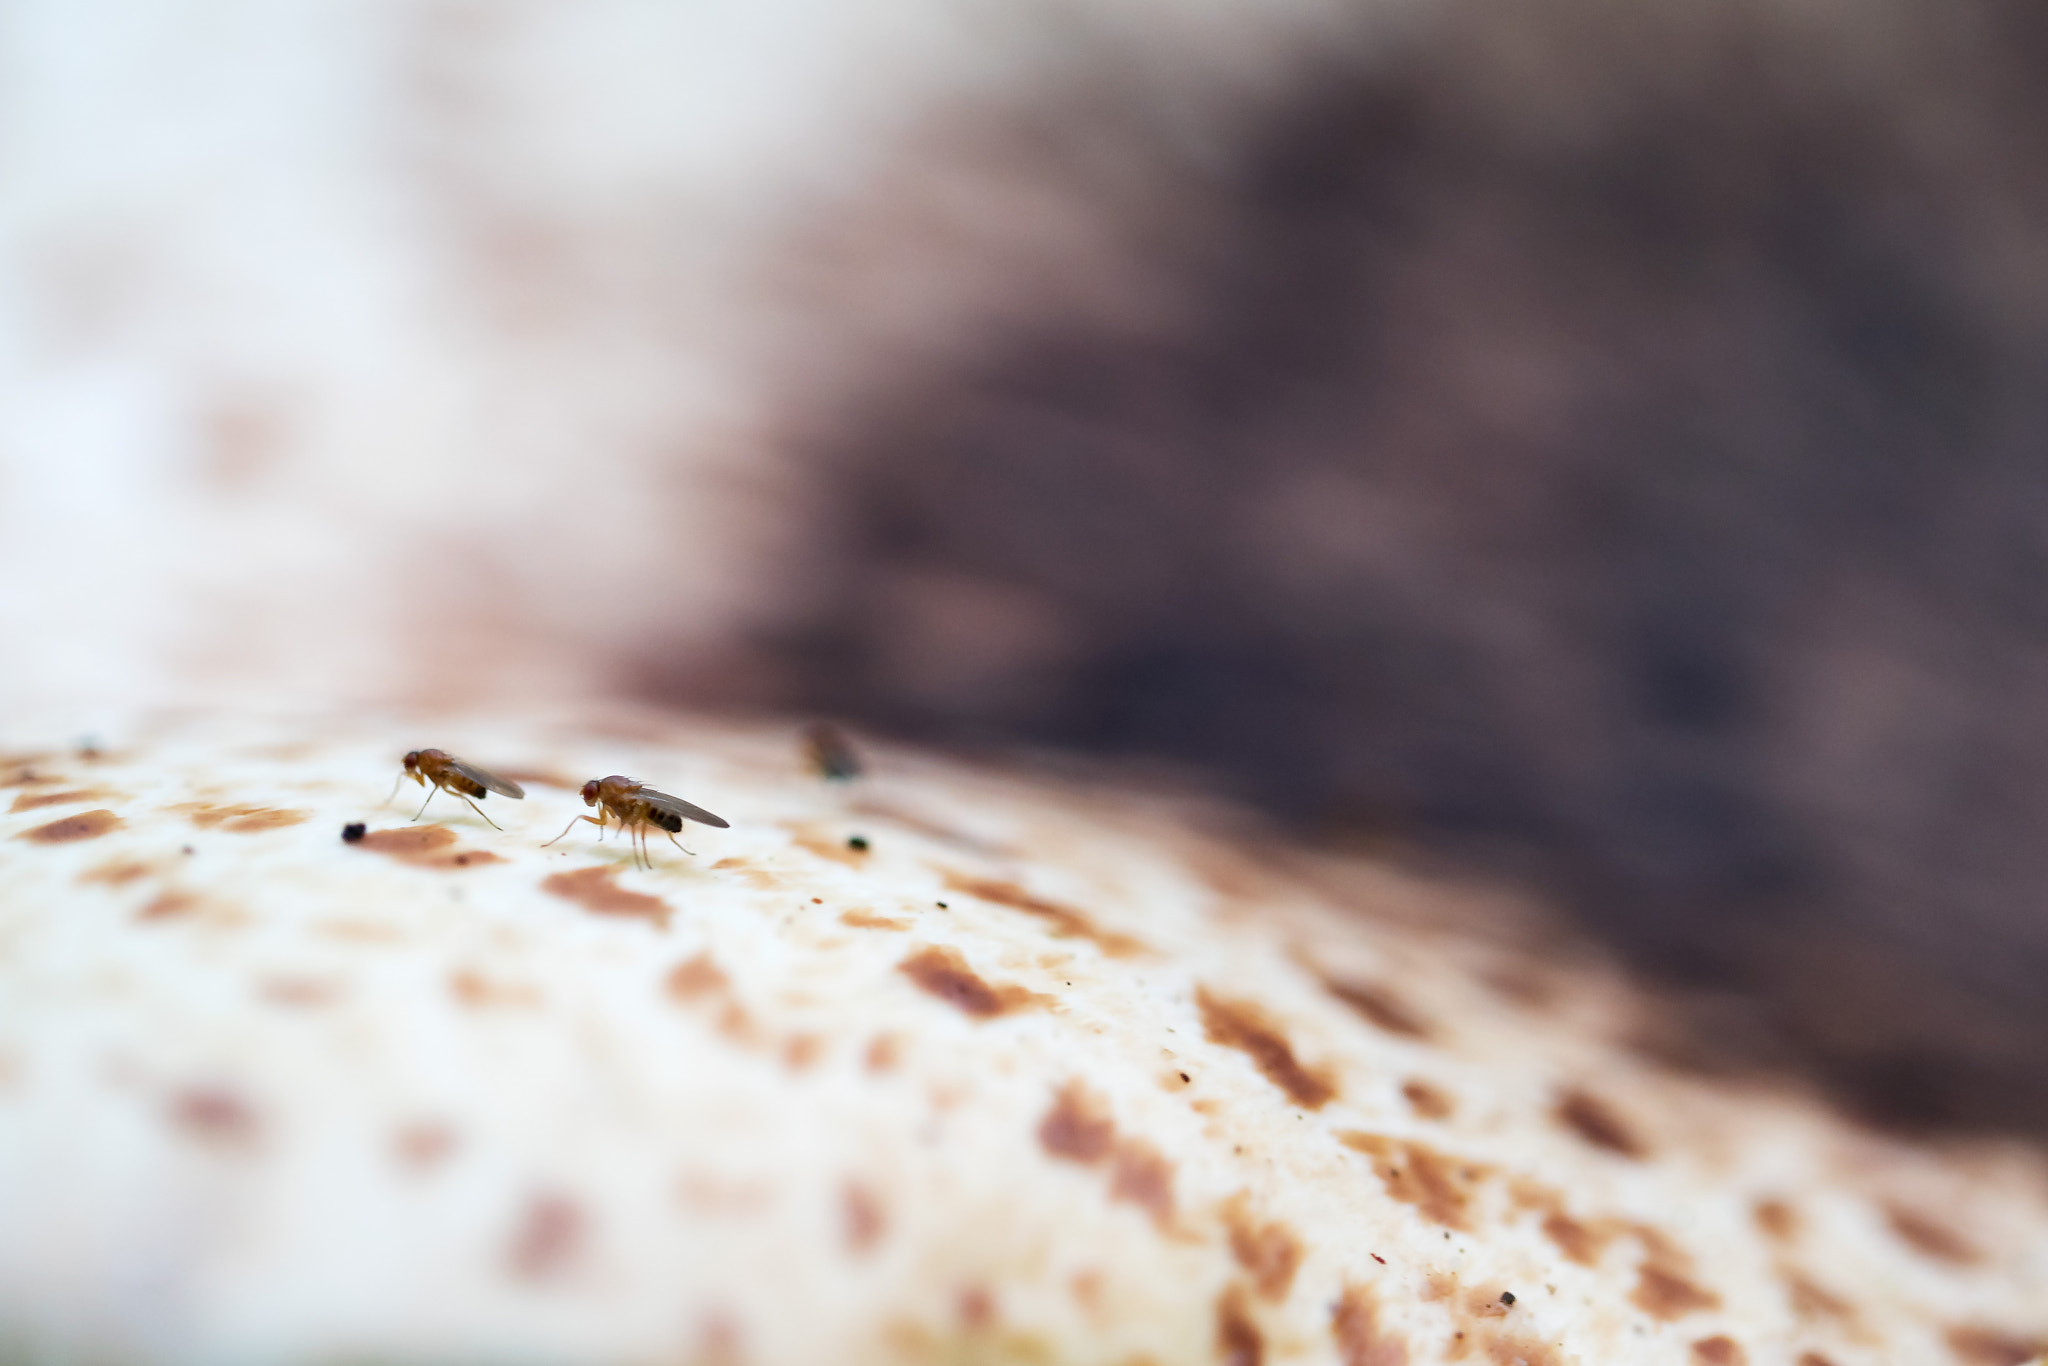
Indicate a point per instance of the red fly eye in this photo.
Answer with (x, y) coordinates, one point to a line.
(590, 793)
(412, 760)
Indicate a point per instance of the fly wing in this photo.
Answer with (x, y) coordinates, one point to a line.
(504, 787)
(676, 806)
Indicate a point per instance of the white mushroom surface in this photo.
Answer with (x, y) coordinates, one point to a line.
(1045, 1072)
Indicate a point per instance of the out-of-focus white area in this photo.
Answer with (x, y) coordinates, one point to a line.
(420, 350)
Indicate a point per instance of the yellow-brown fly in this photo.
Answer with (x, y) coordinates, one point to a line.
(439, 771)
(636, 807)
(829, 753)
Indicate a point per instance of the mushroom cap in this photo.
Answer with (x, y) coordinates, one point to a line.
(941, 1064)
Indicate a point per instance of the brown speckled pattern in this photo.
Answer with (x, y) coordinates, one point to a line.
(1041, 1074)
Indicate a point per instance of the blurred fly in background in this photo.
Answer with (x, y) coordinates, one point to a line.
(1604, 447)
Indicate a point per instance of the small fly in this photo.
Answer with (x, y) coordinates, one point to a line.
(830, 754)
(440, 771)
(637, 806)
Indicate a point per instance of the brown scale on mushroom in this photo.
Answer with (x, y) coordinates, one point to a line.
(20, 771)
(168, 906)
(1664, 1285)
(1438, 1185)
(549, 1234)
(861, 919)
(30, 801)
(87, 825)
(1479, 1317)
(1142, 1176)
(861, 1213)
(1930, 1237)
(977, 1308)
(242, 820)
(831, 848)
(1777, 1218)
(1238, 1341)
(1720, 1350)
(423, 846)
(117, 874)
(748, 873)
(1066, 922)
(696, 977)
(1380, 1007)
(1596, 1122)
(1245, 1027)
(597, 890)
(216, 1116)
(1078, 1129)
(475, 990)
(945, 974)
(1428, 1102)
(700, 979)
(1269, 1252)
(1354, 1324)
(424, 1145)
(1976, 1345)
(1812, 1301)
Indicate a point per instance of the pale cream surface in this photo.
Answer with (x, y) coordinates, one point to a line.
(1050, 1072)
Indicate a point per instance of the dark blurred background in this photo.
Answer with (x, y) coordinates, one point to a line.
(1600, 445)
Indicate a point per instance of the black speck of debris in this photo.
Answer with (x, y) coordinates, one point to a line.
(940, 904)
(1376, 1257)
(1507, 1297)
(350, 833)
(1183, 1076)
(857, 843)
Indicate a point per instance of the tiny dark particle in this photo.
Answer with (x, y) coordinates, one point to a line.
(350, 833)
(1183, 1076)
(1376, 1257)
(857, 843)
(186, 850)
(1507, 1297)
(940, 904)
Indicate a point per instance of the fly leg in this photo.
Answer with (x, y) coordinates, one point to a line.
(423, 805)
(480, 811)
(678, 844)
(594, 820)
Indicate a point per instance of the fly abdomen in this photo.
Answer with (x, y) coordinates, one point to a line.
(667, 820)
